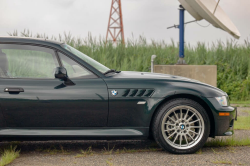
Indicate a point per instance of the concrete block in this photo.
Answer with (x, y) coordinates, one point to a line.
(203, 73)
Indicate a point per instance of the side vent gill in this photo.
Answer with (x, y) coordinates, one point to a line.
(149, 93)
(138, 93)
(133, 92)
(126, 92)
(141, 92)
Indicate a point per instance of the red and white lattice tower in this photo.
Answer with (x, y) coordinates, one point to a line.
(115, 32)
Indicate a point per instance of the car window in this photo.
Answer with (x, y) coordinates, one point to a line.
(73, 68)
(86, 58)
(25, 61)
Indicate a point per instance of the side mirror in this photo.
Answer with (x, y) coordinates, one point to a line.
(61, 73)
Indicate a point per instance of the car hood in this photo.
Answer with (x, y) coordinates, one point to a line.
(147, 75)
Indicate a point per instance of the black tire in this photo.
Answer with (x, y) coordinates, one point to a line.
(151, 137)
(165, 111)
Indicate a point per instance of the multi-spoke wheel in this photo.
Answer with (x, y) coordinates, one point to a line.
(181, 126)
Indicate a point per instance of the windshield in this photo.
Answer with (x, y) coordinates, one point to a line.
(86, 58)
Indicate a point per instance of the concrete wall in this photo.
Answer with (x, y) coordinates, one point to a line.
(203, 73)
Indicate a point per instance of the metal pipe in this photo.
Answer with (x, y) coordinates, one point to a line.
(177, 26)
(216, 7)
(152, 63)
(182, 32)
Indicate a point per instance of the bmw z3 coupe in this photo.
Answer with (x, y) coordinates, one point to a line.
(51, 91)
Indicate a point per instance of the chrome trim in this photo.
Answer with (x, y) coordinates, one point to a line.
(141, 102)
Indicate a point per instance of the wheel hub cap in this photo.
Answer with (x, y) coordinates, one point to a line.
(182, 127)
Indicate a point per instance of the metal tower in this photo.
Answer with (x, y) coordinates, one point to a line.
(115, 30)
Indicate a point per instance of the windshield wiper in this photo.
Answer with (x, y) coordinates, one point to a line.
(111, 71)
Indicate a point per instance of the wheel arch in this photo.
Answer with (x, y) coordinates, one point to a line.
(194, 98)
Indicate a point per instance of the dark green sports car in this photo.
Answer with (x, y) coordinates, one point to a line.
(50, 90)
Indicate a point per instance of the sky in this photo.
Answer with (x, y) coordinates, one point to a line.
(149, 18)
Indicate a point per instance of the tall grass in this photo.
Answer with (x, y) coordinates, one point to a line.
(232, 59)
(9, 155)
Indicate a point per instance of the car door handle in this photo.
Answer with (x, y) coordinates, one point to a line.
(14, 90)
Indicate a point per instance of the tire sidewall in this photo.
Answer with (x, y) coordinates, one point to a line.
(164, 110)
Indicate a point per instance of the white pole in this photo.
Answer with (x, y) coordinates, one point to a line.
(152, 63)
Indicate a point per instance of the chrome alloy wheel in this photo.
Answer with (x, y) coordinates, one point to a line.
(182, 127)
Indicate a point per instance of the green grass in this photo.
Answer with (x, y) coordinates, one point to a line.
(243, 122)
(124, 150)
(222, 162)
(108, 162)
(199, 151)
(228, 142)
(232, 59)
(52, 150)
(84, 153)
(108, 151)
(9, 155)
(240, 102)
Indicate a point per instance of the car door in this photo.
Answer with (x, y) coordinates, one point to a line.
(31, 97)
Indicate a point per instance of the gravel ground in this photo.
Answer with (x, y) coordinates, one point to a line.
(235, 156)
(105, 153)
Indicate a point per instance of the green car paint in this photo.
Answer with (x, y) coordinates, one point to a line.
(49, 109)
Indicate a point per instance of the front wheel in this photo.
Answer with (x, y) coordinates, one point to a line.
(181, 126)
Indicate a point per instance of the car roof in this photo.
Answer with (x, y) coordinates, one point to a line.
(15, 39)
